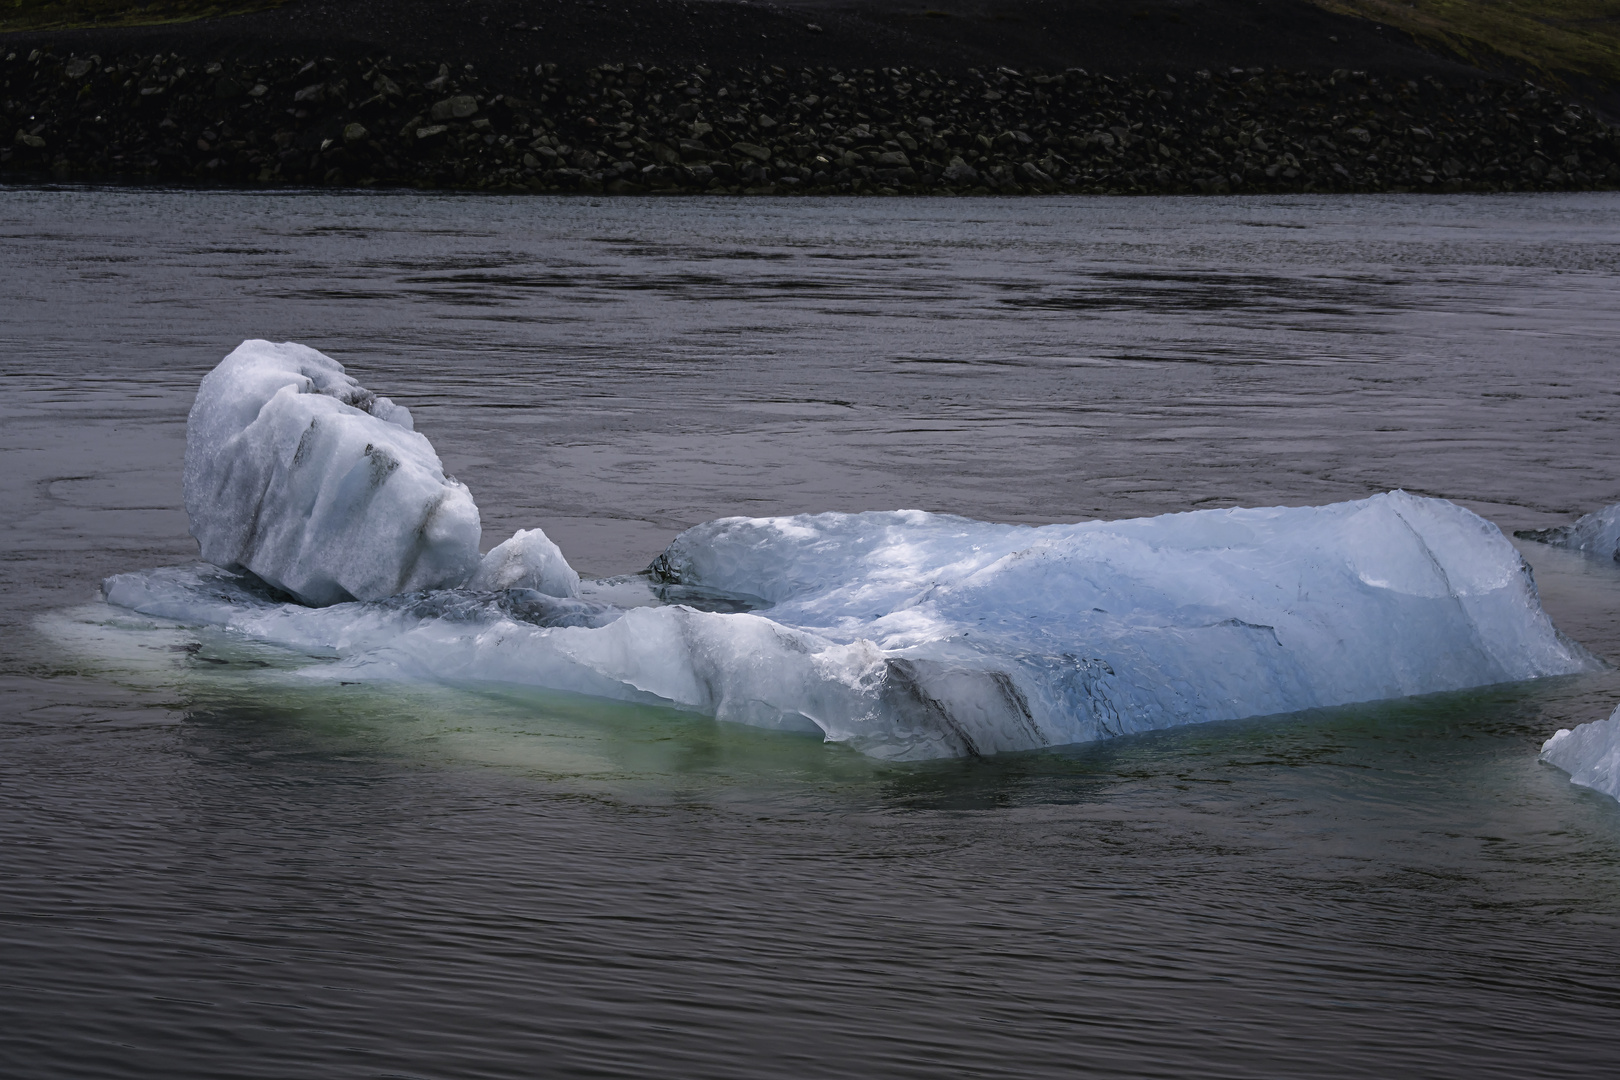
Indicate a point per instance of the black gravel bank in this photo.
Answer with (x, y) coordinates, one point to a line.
(315, 120)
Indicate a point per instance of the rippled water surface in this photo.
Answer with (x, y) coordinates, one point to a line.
(209, 870)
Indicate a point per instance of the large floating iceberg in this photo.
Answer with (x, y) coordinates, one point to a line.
(907, 635)
(1590, 753)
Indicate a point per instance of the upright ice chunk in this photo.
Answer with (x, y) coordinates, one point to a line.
(299, 474)
(1598, 533)
(1590, 753)
(529, 560)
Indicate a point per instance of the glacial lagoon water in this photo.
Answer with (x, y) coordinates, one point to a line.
(208, 868)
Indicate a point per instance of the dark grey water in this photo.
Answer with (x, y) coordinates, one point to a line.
(205, 874)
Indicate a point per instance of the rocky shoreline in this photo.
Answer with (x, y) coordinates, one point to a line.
(630, 128)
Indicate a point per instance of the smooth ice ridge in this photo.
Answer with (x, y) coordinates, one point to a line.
(913, 635)
(1590, 753)
(1598, 533)
(321, 488)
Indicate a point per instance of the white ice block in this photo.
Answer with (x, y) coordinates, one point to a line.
(299, 474)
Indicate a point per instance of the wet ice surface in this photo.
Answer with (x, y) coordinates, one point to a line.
(213, 867)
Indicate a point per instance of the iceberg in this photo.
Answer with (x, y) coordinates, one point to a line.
(910, 635)
(333, 530)
(1597, 533)
(303, 477)
(1590, 753)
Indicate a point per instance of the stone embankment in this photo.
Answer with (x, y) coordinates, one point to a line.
(628, 128)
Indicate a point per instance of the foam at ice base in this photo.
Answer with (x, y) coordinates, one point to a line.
(299, 474)
(1590, 753)
(911, 635)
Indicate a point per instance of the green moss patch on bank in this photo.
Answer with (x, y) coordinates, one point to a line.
(1552, 38)
(629, 128)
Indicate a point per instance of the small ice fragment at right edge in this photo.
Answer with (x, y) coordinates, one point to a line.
(299, 474)
(529, 560)
(1590, 754)
(1598, 533)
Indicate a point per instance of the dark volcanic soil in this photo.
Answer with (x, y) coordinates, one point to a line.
(500, 36)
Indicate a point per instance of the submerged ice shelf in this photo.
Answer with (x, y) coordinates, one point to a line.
(907, 635)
